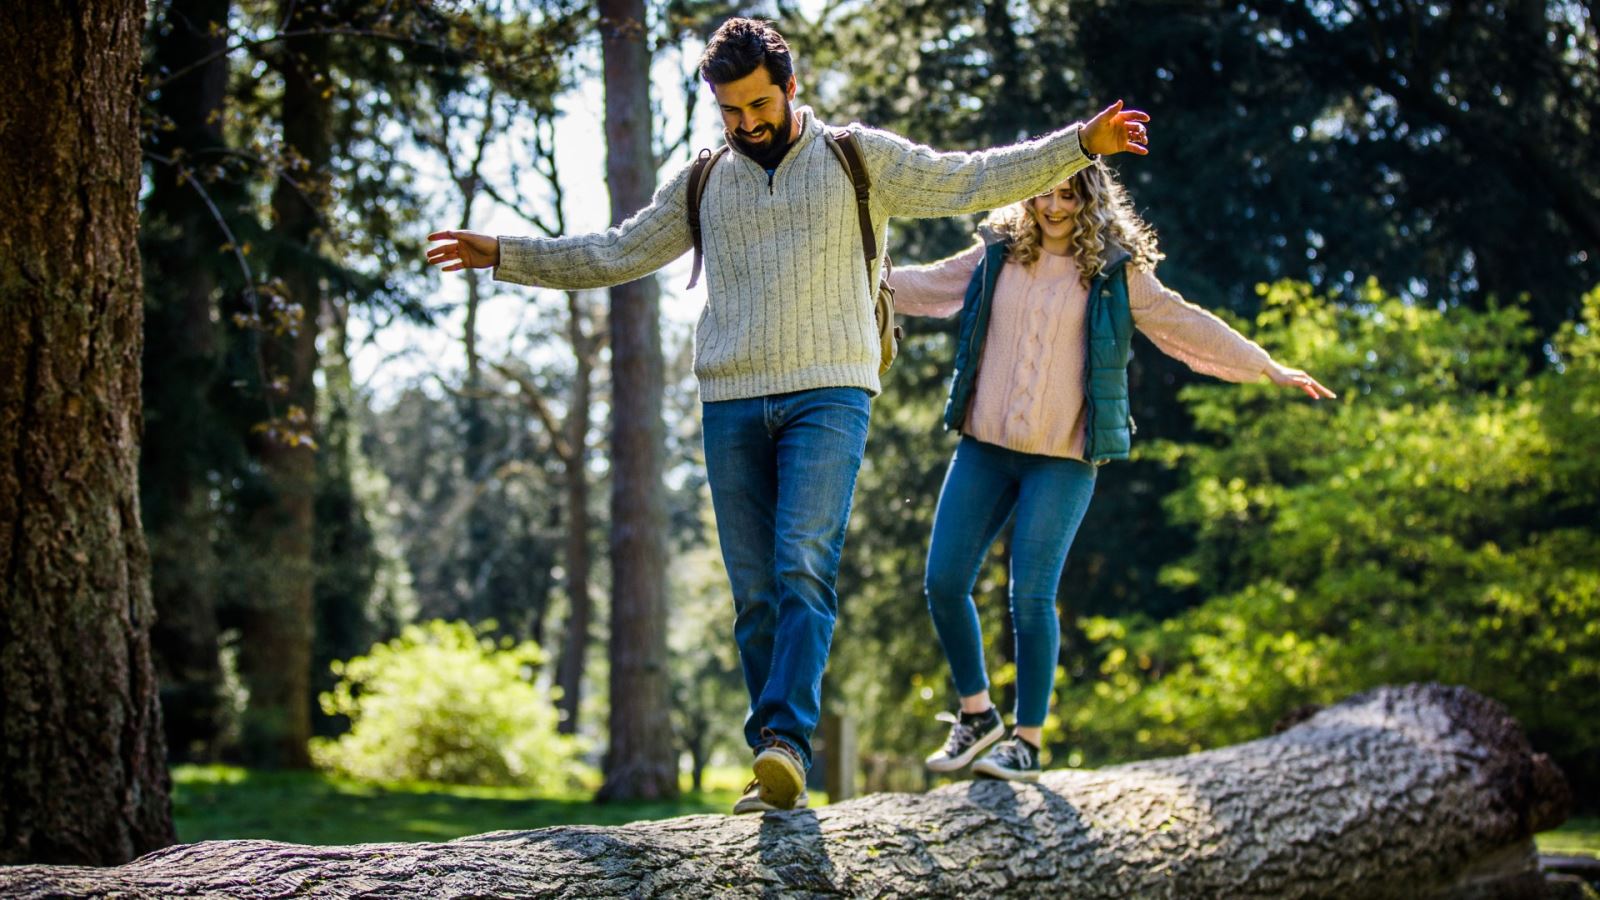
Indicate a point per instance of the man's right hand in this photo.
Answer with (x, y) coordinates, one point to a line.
(465, 250)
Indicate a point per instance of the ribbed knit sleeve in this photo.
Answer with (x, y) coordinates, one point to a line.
(912, 180)
(1190, 334)
(937, 289)
(646, 241)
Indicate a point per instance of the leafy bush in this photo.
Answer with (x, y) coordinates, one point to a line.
(1437, 522)
(444, 703)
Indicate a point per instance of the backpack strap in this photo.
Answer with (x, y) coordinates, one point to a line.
(843, 144)
(697, 189)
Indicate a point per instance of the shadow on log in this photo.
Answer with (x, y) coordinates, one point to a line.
(1405, 792)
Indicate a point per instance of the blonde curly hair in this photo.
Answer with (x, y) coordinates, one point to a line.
(1104, 212)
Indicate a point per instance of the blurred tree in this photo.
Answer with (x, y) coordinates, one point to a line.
(190, 211)
(83, 775)
(640, 762)
(311, 136)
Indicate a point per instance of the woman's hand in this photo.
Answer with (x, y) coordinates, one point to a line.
(1114, 130)
(1295, 378)
(466, 250)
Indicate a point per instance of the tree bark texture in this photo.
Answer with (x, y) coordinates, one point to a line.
(276, 625)
(181, 360)
(641, 761)
(1404, 792)
(82, 770)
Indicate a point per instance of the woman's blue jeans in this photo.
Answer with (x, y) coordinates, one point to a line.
(782, 471)
(984, 486)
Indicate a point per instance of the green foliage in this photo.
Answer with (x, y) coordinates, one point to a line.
(1434, 523)
(444, 703)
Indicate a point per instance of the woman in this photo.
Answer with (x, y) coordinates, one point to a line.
(1048, 304)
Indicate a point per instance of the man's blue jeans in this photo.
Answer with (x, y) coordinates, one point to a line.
(984, 486)
(782, 471)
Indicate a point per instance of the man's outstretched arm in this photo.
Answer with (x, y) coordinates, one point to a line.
(648, 240)
(912, 180)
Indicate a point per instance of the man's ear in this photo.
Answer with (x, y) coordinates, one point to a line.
(790, 88)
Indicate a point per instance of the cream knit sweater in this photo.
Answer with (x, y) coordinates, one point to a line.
(790, 300)
(1029, 392)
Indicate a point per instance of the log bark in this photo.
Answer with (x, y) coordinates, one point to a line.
(1404, 792)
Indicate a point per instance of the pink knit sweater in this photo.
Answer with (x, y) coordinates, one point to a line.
(1029, 393)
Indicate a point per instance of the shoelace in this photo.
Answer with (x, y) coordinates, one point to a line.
(1013, 755)
(770, 741)
(961, 734)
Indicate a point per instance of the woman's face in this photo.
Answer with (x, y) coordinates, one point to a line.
(1054, 210)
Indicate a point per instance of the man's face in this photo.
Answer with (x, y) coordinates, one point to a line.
(755, 111)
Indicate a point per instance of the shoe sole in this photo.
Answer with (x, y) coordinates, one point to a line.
(781, 780)
(959, 762)
(990, 770)
(760, 806)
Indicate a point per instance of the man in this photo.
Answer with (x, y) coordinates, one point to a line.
(787, 349)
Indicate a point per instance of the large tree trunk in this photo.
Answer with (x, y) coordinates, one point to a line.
(276, 624)
(182, 348)
(1406, 792)
(640, 759)
(83, 770)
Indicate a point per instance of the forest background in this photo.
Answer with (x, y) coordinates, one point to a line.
(343, 451)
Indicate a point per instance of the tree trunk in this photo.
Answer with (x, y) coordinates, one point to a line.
(182, 347)
(83, 768)
(639, 761)
(276, 625)
(1403, 792)
(575, 647)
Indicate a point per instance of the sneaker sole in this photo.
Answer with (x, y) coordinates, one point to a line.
(991, 770)
(781, 780)
(950, 765)
(743, 808)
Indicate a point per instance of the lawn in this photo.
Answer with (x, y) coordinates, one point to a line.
(220, 802)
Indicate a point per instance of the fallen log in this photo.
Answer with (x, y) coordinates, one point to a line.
(1405, 792)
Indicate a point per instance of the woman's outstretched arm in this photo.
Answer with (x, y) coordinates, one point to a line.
(936, 289)
(1203, 342)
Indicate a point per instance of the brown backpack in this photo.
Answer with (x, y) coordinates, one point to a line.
(843, 145)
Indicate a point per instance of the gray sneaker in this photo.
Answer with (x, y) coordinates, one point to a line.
(1013, 759)
(751, 802)
(970, 733)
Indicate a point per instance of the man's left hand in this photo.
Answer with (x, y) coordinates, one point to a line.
(1116, 129)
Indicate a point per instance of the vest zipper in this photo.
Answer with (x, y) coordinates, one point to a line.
(972, 339)
(771, 175)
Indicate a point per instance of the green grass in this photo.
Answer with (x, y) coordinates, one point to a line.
(1580, 835)
(224, 802)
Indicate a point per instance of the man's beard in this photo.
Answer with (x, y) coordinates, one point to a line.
(770, 154)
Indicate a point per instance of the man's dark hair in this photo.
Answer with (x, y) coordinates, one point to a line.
(740, 46)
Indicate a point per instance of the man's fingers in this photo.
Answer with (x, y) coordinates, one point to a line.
(441, 235)
(1134, 115)
(1138, 149)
